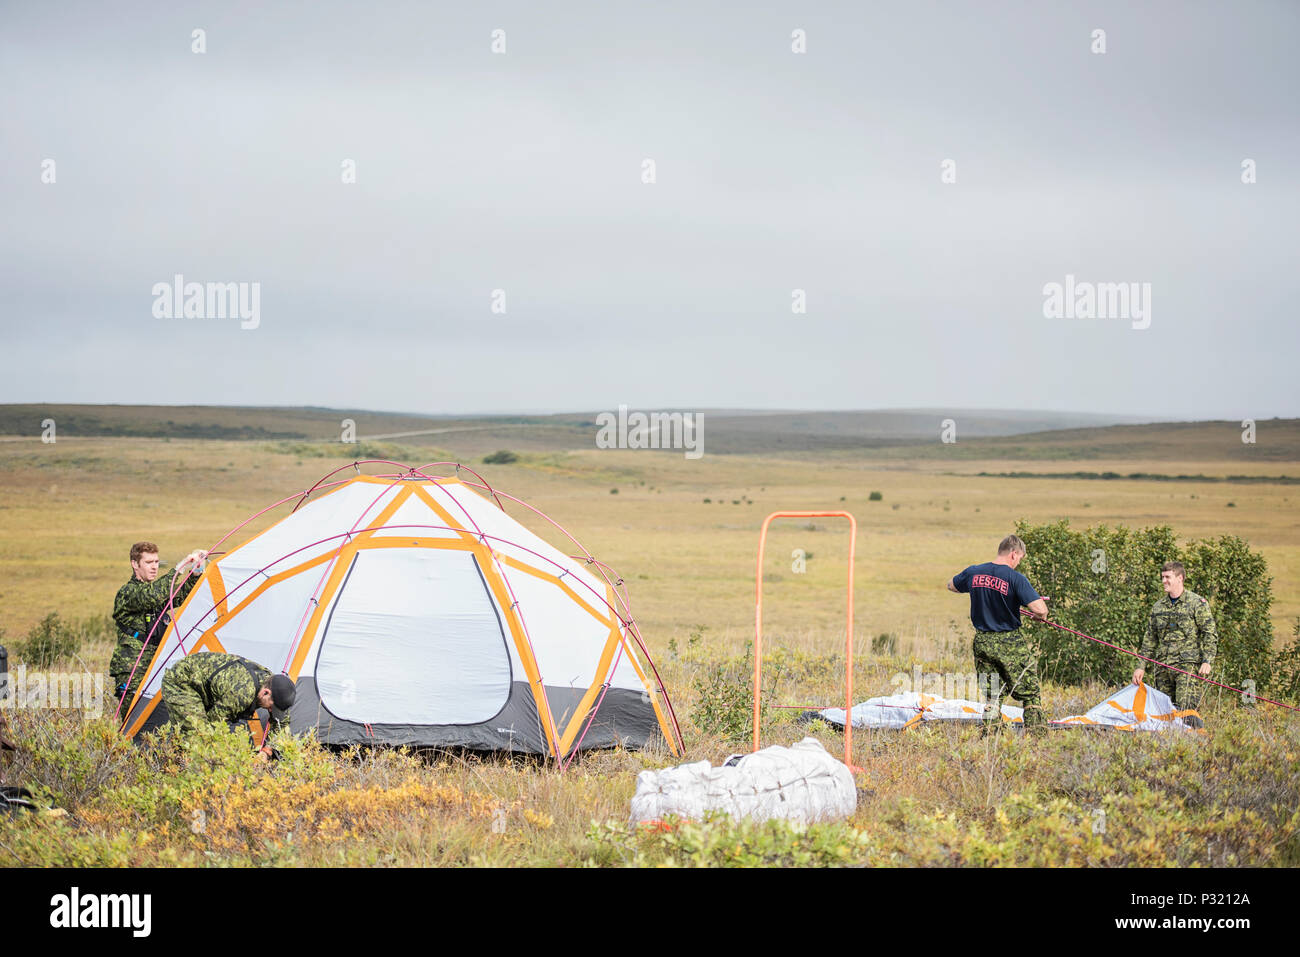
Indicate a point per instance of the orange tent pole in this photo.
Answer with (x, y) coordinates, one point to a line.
(848, 631)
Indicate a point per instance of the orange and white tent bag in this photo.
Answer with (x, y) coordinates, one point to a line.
(1131, 708)
(1135, 708)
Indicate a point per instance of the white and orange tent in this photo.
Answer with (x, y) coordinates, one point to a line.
(410, 609)
(1135, 708)
(1131, 708)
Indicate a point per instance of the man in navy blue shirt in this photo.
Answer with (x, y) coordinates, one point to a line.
(1003, 656)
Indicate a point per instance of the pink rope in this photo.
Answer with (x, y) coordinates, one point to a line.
(627, 618)
(514, 603)
(171, 596)
(505, 578)
(1134, 654)
(401, 465)
(329, 567)
(595, 708)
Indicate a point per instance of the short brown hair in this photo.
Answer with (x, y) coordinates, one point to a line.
(143, 548)
(1011, 543)
(1175, 567)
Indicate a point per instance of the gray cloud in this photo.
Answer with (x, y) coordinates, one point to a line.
(775, 171)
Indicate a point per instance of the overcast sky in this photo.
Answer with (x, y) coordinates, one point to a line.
(774, 171)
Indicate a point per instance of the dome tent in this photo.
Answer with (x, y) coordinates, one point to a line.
(410, 609)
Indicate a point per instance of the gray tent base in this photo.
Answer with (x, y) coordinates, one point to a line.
(624, 719)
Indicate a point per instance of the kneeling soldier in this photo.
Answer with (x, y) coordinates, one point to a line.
(213, 686)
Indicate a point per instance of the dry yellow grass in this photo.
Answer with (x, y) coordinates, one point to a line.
(940, 796)
(71, 510)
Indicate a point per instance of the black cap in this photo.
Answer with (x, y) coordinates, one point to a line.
(282, 692)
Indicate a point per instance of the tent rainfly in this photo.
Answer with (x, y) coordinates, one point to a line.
(1131, 708)
(410, 609)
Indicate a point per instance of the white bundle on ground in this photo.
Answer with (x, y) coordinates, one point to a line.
(1135, 708)
(800, 783)
(911, 707)
(1131, 708)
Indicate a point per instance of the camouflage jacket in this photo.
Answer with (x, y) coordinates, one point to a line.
(138, 604)
(212, 686)
(1181, 631)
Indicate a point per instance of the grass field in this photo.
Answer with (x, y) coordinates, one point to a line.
(683, 533)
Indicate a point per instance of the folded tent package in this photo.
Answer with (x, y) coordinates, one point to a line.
(412, 610)
(1130, 708)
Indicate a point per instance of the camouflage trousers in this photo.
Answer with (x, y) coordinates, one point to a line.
(1009, 665)
(123, 661)
(1184, 690)
(185, 705)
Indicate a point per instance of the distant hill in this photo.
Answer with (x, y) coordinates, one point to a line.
(1276, 440)
(838, 429)
(888, 434)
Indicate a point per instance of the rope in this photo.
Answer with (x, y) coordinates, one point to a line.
(1134, 654)
(1100, 641)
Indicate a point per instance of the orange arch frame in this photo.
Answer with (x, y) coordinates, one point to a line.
(559, 740)
(848, 630)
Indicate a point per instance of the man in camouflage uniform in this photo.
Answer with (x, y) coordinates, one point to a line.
(1180, 632)
(1003, 656)
(214, 686)
(136, 610)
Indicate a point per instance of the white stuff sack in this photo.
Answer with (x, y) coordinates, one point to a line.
(801, 783)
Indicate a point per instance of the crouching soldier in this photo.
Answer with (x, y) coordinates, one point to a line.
(213, 686)
(139, 605)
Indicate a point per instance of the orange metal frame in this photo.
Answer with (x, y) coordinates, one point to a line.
(848, 630)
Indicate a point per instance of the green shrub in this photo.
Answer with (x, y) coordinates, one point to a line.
(1286, 668)
(1103, 581)
(692, 643)
(350, 451)
(68, 761)
(725, 695)
(873, 497)
(49, 642)
(503, 457)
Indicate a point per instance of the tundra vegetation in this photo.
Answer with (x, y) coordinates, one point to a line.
(937, 795)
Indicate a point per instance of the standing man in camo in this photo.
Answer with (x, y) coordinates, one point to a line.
(1003, 655)
(1180, 632)
(137, 608)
